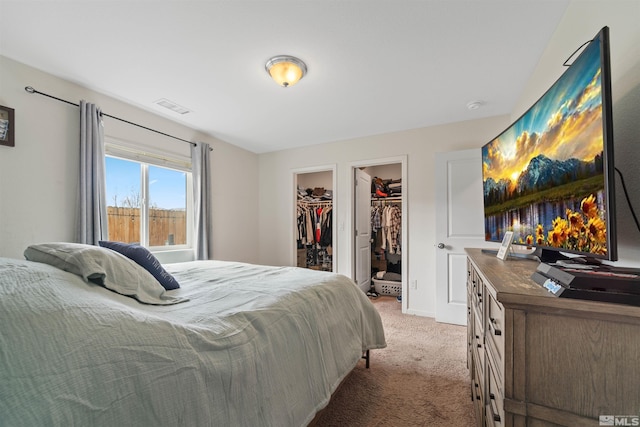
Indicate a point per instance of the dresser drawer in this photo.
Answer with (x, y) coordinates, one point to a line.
(478, 343)
(495, 398)
(470, 331)
(495, 329)
(478, 401)
(477, 292)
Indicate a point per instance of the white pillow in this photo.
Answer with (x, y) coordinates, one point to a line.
(104, 267)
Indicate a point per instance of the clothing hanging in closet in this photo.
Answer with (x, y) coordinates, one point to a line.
(314, 223)
(386, 223)
(314, 234)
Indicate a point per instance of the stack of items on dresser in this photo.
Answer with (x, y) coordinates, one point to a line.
(314, 230)
(386, 223)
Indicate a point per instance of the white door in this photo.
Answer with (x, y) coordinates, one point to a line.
(459, 225)
(363, 229)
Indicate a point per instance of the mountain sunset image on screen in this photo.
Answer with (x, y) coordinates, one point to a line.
(544, 176)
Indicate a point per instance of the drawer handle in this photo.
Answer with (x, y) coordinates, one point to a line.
(496, 417)
(495, 331)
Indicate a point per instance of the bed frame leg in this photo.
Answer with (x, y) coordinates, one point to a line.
(365, 356)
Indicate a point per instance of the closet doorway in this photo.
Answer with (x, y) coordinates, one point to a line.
(384, 258)
(314, 235)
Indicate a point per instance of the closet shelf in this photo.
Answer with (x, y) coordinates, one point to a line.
(387, 199)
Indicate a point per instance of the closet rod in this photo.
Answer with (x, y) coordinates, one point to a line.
(32, 90)
(327, 202)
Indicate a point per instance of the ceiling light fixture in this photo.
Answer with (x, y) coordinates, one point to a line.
(286, 70)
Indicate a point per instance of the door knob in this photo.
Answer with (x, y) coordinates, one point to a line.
(440, 245)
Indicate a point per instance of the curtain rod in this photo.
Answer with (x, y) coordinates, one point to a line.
(32, 90)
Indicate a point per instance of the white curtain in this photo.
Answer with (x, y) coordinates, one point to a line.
(201, 169)
(92, 200)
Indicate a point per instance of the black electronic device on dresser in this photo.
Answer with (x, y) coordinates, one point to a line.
(603, 283)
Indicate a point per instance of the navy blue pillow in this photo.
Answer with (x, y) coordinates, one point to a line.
(146, 259)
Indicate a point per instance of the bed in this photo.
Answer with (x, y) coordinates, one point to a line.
(235, 345)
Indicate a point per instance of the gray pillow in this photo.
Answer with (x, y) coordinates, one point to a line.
(104, 267)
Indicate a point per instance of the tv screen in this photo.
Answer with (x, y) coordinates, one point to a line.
(548, 177)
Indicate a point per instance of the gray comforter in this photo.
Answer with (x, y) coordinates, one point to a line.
(253, 346)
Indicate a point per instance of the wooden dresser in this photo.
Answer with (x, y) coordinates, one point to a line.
(538, 360)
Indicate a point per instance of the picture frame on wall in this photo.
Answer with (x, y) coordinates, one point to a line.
(7, 126)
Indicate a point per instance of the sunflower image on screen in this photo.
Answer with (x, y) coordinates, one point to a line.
(582, 230)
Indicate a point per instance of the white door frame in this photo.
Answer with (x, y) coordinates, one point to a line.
(293, 222)
(351, 227)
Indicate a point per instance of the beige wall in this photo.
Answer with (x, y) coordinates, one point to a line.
(315, 179)
(38, 177)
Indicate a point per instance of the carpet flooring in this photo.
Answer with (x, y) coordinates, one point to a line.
(420, 379)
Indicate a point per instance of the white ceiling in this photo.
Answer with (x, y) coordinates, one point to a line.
(374, 66)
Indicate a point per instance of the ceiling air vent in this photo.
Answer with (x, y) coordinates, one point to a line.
(163, 102)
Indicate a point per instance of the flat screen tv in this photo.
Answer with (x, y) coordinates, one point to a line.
(549, 177)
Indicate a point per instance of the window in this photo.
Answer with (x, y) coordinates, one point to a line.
(147, 203)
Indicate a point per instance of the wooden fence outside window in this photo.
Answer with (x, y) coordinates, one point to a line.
(166, 226)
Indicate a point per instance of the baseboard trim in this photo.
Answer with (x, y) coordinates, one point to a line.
(420, 313)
